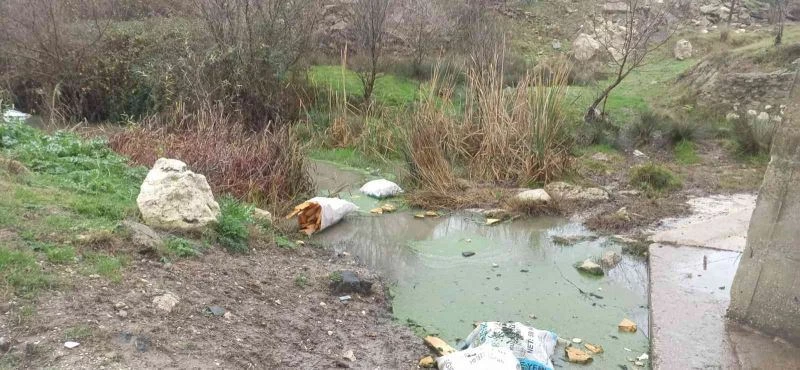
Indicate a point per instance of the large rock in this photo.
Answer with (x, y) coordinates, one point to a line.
(683, 50)
(172, 197)
(534, 197)
(569, 192)
(585, 47)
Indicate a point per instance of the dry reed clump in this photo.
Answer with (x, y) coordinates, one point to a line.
(506, 136)
(522, 130)
(265, 167)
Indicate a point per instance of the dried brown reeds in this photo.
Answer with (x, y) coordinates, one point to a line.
(265, 167)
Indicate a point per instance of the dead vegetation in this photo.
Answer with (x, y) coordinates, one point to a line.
(265, 167)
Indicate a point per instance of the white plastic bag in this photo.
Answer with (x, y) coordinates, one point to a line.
(533, 348)
(479, 358)
(320, 213)
(381, 189)
(15, 115)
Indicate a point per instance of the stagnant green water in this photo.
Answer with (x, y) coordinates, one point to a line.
(516, 274)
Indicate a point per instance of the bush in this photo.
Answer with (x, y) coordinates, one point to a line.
(753, 137)
(265, 168)
(644, 129)
(685, 152)
(180, 247)
(653, 177)
(233, 225)
(682, 130)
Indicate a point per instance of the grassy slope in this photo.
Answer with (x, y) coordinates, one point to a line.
(390, 90)
(58, 213)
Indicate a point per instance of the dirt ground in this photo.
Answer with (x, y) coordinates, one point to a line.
(272, 320)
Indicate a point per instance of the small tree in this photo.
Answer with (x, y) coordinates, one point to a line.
(425, 24)
(369, 21)
(723, 36)
(645, 28)
(778, 8)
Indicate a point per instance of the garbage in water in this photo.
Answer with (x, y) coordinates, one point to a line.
(71, 345)
(431, 214)
(627, 326)
(577, 340)
(479, 358)
(387, 208)
(577, 356)
(533, 348)
(438, 345)
(320, 213)
(381, 189)
(593, 348)
(492, 221)
(467, 254)
(345, 298)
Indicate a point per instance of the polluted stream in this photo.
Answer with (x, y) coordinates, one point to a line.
(517, 272)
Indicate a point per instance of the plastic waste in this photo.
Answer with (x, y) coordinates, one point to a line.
(480, 358)
(12, 114)
(533, 348)
(321, 213)
(381, 189)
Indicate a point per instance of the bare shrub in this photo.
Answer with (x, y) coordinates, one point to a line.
(266, 168)
(50, 49)
(370, 22)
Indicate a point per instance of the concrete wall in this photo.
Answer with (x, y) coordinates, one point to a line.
(766, 289)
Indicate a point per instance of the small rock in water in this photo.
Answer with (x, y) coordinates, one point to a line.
(594, 348)
(524, 270)
(71, 345)
(427, 362)
(467, 254)
(590, 267)
(643, 357)
(577, 356)
(494, 265)
(627, 326)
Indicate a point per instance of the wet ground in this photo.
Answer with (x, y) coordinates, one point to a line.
(517, 273)
(691, 272)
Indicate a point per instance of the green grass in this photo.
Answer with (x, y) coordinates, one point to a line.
(654, 178)
(232, 225)
(107, 266)
(20, 273)
(77, 333)
(685, 152)
(60, 255)
(77, 190)
(389, 90)
(180, 247)
(638, 92)
(301, 281)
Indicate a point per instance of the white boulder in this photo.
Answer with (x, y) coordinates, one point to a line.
(585, 47)
(173, 197)
(534, 197)
(570, 192)
(683, 50)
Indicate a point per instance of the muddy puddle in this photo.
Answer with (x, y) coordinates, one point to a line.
(517, 273)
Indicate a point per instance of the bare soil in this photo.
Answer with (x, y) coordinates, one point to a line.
(276, 318)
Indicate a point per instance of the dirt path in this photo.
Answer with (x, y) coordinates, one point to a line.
(280, 314)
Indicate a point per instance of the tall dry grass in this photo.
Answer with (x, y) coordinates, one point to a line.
(522, 130)
(265, 167)
(510, 136)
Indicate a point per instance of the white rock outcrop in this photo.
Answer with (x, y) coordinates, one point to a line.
(683, 50)
(173, 197)
(534, 197)
(585, 47)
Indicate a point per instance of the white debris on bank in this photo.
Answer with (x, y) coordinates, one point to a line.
(15, 115)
